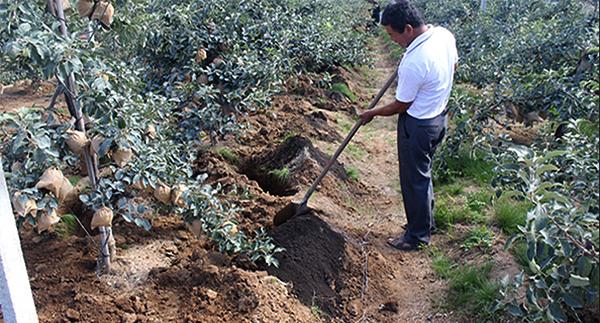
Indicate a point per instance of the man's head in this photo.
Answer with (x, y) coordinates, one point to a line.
(402, 21)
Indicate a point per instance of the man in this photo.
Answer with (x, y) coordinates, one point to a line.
(425, 76)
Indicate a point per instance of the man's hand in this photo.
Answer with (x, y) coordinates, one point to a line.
(367, 116)
(389, 110)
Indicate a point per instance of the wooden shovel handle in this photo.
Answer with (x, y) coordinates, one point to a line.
(337, 153)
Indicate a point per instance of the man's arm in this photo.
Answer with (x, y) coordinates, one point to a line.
(390, 109)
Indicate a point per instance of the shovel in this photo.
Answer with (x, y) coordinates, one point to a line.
(297, 208)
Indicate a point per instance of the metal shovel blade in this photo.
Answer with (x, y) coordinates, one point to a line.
(289, 211)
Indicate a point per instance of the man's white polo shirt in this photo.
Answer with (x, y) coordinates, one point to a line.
(426, 73)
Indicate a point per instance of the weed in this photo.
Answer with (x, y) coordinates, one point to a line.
(447, 213)
(67, 226)
(468, 166)
(453, 189)
(74, 179)
(345, 124)
(123, 246)
(316, 311)
(282, 175)
(479, 237)
(510, 213)
(352, 173)
(343, 89)
(477, 201)
(227, 154)
(287, 136)
(442, 265)
(355, 151)
(471, 292)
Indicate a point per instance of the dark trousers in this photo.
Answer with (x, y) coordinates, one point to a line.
(417, 141)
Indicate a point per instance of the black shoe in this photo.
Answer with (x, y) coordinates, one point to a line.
(401, 244)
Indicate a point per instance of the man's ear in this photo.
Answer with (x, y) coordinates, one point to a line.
(408, 28)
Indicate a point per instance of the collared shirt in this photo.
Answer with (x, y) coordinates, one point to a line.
(426, 73)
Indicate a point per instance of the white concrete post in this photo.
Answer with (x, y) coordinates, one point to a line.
(15, 293)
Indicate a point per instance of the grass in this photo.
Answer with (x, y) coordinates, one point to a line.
(66, 227)
(452, 206)
(467, 166)
(470, 292)
(449, 211)
(479, 237)
(74, 179)
(227, 154)
(344, 90)
(441, 264)
(453, 189)
(352, 173)
(345, 124)
(287, 136)
(281, 175)
(509, 214)
(355, 151)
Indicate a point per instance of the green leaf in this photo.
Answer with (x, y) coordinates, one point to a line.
(551, 155)
(514, 310)
(43, 142)
(545, 168)
(578, 281)
(584, 266)
(535, 268)
(555, 313)
(511, 240)
(572, 300)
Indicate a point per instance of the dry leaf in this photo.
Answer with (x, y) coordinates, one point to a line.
(95, 145)
(66, 189)
(104, 12)
(66, 4)
(102, 218)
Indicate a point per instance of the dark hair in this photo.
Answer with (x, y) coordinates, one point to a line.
(401, 13)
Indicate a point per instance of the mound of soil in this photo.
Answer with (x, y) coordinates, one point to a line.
(318, 263)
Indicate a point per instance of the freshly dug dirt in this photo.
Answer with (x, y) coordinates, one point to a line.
(300, 161)
(315, 262)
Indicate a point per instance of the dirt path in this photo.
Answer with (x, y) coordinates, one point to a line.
(410, 284)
